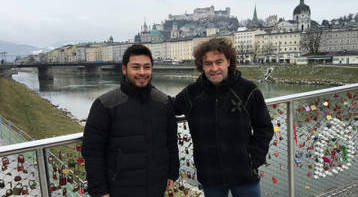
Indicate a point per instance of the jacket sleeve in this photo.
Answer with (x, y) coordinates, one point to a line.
(262, 128)
(172, 143)
(93, 150)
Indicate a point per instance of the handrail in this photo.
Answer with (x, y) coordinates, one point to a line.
(43, 143)
(310, 94)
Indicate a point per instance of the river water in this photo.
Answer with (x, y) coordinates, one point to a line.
(77, 92)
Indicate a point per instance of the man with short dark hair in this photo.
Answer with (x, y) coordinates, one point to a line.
(130, 139)
(229, 123)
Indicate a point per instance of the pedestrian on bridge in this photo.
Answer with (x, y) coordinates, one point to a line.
(130, 138)
(229, 123)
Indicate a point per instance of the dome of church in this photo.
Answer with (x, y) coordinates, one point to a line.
(302, 7)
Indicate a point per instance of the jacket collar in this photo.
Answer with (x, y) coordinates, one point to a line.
(133, 91)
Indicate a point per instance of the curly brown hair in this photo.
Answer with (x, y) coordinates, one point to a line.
(222, 45)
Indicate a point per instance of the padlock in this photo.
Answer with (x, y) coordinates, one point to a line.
(60, 155)
(20, 167)
(170, 193)
(5, 161)
(17, 189)
(8, 192)
(54, 175)
(20, 158)
(50, 159)
(80, 161)
(25, 190)
(78, 148)
(3, 168)
(181, 141)
(17, 178)
(186, 150)
(2, 183)
(63, 180)
(70, 179)
(76, 187)
(32, 184)
(52, 187)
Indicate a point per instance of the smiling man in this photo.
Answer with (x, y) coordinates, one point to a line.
(130, 139)
(229, 123)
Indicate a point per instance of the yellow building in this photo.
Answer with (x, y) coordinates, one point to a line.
(70, 53)
(281, 47)
(94, 54)
(53, 56)
(180, 50)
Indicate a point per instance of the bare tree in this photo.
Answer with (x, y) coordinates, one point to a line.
(242, 53)
(255, 51)
(268, 49)
(311, 41)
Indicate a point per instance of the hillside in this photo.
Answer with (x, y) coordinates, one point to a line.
(31, 113)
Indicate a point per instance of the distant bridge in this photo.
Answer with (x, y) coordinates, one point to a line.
(92, 67)
(54, 64)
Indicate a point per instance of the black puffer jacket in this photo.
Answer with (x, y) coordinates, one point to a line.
(220, 121)
(130, 143)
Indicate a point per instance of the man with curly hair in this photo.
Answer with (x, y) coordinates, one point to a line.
(229, 123)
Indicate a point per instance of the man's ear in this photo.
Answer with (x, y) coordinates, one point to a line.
(124, 69)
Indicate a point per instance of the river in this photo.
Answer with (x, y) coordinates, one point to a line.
(77, 92)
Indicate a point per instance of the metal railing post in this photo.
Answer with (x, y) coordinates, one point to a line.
(43, 176)
(1, 127)
(291, 150)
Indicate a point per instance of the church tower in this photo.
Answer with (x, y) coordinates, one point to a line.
(302, 16)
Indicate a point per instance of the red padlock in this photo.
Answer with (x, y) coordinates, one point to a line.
(80, 161)
(170, 193)
(53, 187)
(20, 158)
(63, 180)
(78, 148)
(64, 192)
(54, 175)
(25, 190)
(20, 167)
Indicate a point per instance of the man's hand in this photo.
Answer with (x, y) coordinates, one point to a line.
(106, 195)
(170, 184)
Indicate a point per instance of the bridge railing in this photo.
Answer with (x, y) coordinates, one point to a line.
(313, 150)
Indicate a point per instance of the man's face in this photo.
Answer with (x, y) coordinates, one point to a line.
(138, 70)
(215, 66)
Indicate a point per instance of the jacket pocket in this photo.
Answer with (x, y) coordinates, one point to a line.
(118, 164)
(253, 170)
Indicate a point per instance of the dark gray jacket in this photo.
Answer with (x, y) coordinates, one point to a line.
(130, 143)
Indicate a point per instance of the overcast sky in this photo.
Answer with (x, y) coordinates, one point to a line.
(45, 23)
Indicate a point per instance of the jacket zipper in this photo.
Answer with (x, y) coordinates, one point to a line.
(218, 148)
